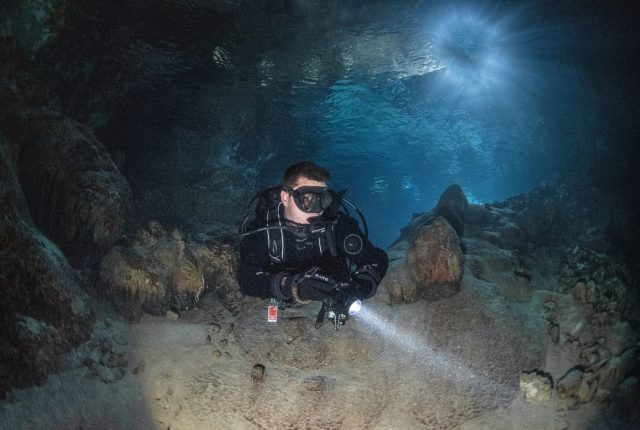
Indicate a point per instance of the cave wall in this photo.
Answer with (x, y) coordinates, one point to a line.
(44, 311)
(113, 113)
(63, 203)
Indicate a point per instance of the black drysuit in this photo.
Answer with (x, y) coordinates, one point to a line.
(337, 247)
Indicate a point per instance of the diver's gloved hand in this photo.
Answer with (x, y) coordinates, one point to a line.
(281, 284)
(364, 283)
(316, 285)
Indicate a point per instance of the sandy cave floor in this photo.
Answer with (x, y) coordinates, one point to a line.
(417, 367)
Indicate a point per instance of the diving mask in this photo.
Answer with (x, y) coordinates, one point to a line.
(310, 199)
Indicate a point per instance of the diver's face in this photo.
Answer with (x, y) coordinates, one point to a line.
(291, 211)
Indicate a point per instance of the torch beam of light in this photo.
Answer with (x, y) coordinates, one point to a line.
(442, 362)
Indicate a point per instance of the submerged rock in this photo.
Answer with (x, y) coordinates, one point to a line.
(617, 368)
(434, 260)
(161, 270)
(399, 285)
(536, 386)
(571, 385)
(453, 206)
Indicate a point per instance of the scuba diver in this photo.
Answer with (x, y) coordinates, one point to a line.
(303, 246)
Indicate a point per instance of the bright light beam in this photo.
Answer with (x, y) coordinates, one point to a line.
(442, 362)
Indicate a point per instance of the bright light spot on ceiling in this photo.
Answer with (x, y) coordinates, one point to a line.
(474, 50)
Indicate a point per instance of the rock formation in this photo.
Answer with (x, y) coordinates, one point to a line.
(535, 386)
(426, 261)
(579, 288)
(434, 260)
(44, 310)
(62, 200)
(75, 193)
(537, 291)
(161, 271)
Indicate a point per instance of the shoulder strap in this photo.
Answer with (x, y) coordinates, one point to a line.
(275, 238)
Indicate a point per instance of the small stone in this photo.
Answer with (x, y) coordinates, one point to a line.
(171, 315)
(111, 360)
(585, 392)
(217, 353)
(257, 373)
(570, 403)
(569, 384)
(579, 292)
(536, 386)
(316, 383)
(139, 368)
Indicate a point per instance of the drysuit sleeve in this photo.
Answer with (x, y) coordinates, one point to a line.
(253, 268)
(371, 262)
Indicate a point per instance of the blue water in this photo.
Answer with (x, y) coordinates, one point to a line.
(496, 100)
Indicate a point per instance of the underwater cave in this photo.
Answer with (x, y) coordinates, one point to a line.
(490, 150)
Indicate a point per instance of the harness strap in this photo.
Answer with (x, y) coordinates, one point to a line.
(275, 247)
(321, 314)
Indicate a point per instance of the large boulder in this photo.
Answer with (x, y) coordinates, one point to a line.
(434, 260)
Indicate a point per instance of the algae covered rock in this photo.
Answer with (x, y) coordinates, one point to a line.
(434, 260)
(160, 270)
